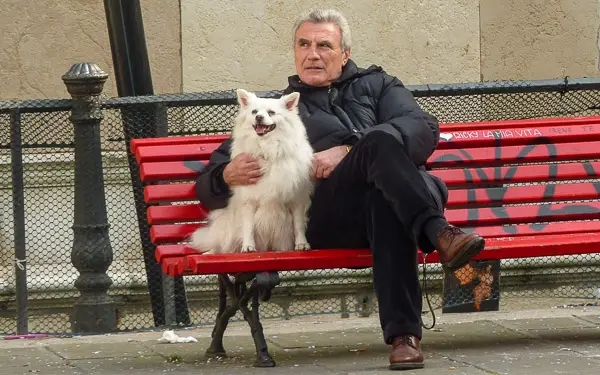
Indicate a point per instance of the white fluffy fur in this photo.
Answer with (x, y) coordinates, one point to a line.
(271, 214)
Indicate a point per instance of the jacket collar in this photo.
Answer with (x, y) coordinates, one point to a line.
(350, 71)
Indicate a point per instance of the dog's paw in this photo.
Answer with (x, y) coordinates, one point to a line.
(302, 246)
(248, 249)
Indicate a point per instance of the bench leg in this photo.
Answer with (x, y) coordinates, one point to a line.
(222, 301)
(216, 348)
(263, 358)
(239, 295)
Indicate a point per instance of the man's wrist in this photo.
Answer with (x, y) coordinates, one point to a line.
(220, 184)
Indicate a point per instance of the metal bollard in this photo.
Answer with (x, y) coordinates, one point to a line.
(92, 253)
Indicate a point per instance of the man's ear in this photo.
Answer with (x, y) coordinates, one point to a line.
(291, 100)
(243, 97)
(346, 57)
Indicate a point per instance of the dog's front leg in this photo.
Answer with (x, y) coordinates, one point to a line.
(247, 215)
(299, 210)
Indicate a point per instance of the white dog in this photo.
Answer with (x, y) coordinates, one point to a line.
(271, 214)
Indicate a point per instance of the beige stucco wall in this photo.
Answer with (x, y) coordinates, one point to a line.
(539, 39)
(41, 39)
(229, 44)
(198, 45)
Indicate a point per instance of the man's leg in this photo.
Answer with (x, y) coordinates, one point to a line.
(396, 279)
(350, 218)
(380, 160)
(395, 272)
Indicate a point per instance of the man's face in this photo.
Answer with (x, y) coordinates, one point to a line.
(318, 53)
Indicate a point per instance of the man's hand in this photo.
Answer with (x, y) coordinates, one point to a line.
(242, 170)
(324, 162)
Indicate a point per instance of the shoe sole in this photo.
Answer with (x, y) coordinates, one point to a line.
(471, 249)
(406, 366)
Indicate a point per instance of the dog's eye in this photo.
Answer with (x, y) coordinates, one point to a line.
(254, 111)
(271, 113)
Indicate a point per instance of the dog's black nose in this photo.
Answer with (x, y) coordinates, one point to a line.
(260, 118)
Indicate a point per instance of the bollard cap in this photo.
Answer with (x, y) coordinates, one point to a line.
(84, 71)
(84, 79)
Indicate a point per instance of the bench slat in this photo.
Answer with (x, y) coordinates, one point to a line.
(170, 193)
(176, 213)
(177, 140)
(523, 214)
(559, 122)
(459, 217)
(184, 151)
(520, 174)
(517, 230)
(496, 248)
(469, 137)
(524, 194)
(167, 233)
(172, 233)
(163, 252)
(515, 154)
(280, 261)
(169, 170)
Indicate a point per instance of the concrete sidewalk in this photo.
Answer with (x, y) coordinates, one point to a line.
(546, 341)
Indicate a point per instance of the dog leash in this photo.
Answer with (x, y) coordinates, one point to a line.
(424, 288)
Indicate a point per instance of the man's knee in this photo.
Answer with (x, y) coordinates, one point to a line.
(382, 219)
(383, 139)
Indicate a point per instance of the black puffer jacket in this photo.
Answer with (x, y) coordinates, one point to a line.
(360, 101)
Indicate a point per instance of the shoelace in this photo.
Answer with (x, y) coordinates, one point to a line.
(407, 340)
(451, 232)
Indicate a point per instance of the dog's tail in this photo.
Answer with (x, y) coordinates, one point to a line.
(221, 235)
(203, 241)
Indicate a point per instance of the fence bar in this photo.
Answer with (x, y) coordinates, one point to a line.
(19, 220)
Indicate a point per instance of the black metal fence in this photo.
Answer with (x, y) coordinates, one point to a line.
(38, 224)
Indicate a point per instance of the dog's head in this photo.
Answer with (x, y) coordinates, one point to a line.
(266, 115)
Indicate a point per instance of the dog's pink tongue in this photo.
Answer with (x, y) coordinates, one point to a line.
(261, 129)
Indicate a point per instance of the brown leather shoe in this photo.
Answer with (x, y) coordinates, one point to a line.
(406, 353)
(456, 248)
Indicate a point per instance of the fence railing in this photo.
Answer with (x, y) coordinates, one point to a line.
(75, 249)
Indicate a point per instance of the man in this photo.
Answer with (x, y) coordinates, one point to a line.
(371, 142)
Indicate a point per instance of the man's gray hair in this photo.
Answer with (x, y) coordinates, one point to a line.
(327, 16)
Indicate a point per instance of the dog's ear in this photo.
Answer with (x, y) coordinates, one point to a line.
(243, 97)
(291, 100)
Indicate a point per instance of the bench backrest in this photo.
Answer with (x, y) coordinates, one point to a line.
(508, 178)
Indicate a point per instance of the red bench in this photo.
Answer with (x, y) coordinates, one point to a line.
(551, 165)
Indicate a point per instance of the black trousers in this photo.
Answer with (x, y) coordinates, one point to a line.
(376, 198)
